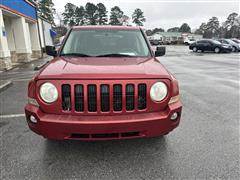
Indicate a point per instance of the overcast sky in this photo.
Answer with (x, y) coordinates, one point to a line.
(167, 13)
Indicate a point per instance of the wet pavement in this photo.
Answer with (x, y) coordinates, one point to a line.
(204, 146)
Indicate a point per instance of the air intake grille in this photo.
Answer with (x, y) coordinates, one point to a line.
(129, 97)
(142, 93)
(66, 97)
(110, 96)
(105, 99)
(117, 97)
(92, 98)
(79, 98)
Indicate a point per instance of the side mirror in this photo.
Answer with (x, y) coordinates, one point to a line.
(160, 51)
(51, 51)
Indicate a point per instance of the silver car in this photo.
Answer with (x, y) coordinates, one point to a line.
(235, 46)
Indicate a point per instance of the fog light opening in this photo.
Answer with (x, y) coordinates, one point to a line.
(33, 119)
(174, 116)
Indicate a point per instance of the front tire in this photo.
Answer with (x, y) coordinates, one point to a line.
(195, 49)
(217, 50)
(234, 49)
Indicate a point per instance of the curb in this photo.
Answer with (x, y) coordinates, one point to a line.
(40, 66)
(5, 85)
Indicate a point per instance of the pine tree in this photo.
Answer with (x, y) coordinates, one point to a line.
(201, 30)
(46, 10)
(116, 15)
(212, 28)
(138, 17)
(232, 26)
(79, 16)
(69, 14)
(91, 14)
(185, 28)
(101, 14)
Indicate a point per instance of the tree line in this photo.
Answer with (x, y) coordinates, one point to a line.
(184, 28)
(97, 14)
(228, 29)
(90, 14)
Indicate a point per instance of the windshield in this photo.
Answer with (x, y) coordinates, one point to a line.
(235, 40)
(109, 43)
(230, 41)
(215, 41)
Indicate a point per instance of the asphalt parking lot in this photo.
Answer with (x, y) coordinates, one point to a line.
(205, 145)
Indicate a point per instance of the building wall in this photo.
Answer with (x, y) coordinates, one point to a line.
(41, 32)
(19, 36)
(10, 38)
(22, 7)
(48, 39)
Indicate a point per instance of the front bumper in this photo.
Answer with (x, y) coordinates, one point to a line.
(227, 49)
(125, 126)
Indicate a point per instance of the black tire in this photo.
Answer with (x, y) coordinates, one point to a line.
(234, 49)
(195, 49)
(217, 50)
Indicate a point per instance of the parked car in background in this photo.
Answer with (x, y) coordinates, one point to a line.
(235, 46)
(236, 41)
(155, 42)
(189, 41)
(210, 45)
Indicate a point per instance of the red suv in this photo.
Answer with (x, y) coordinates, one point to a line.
(103, 83)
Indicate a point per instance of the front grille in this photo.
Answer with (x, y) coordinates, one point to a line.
(79, 98)
(129, 97)
(104, 97)
(117, 97)
(142, 102)
(92, 98)
(66, 97)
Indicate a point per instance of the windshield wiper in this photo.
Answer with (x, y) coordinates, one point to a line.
(75, 54)
(114, 55)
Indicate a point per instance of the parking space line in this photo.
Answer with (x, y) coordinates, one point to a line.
(18, 80)
(11, 116)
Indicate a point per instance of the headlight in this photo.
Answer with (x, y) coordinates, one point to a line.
(158, 91)
(48, 92)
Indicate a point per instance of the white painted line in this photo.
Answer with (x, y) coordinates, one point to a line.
(5, 85)
(17, 80)
(11, 116)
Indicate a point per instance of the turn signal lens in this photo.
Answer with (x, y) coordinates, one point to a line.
(174, 99)
(32, 101)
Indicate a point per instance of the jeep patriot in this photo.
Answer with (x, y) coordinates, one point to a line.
(103, 83)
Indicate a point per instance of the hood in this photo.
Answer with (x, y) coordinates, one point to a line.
(103, 68)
